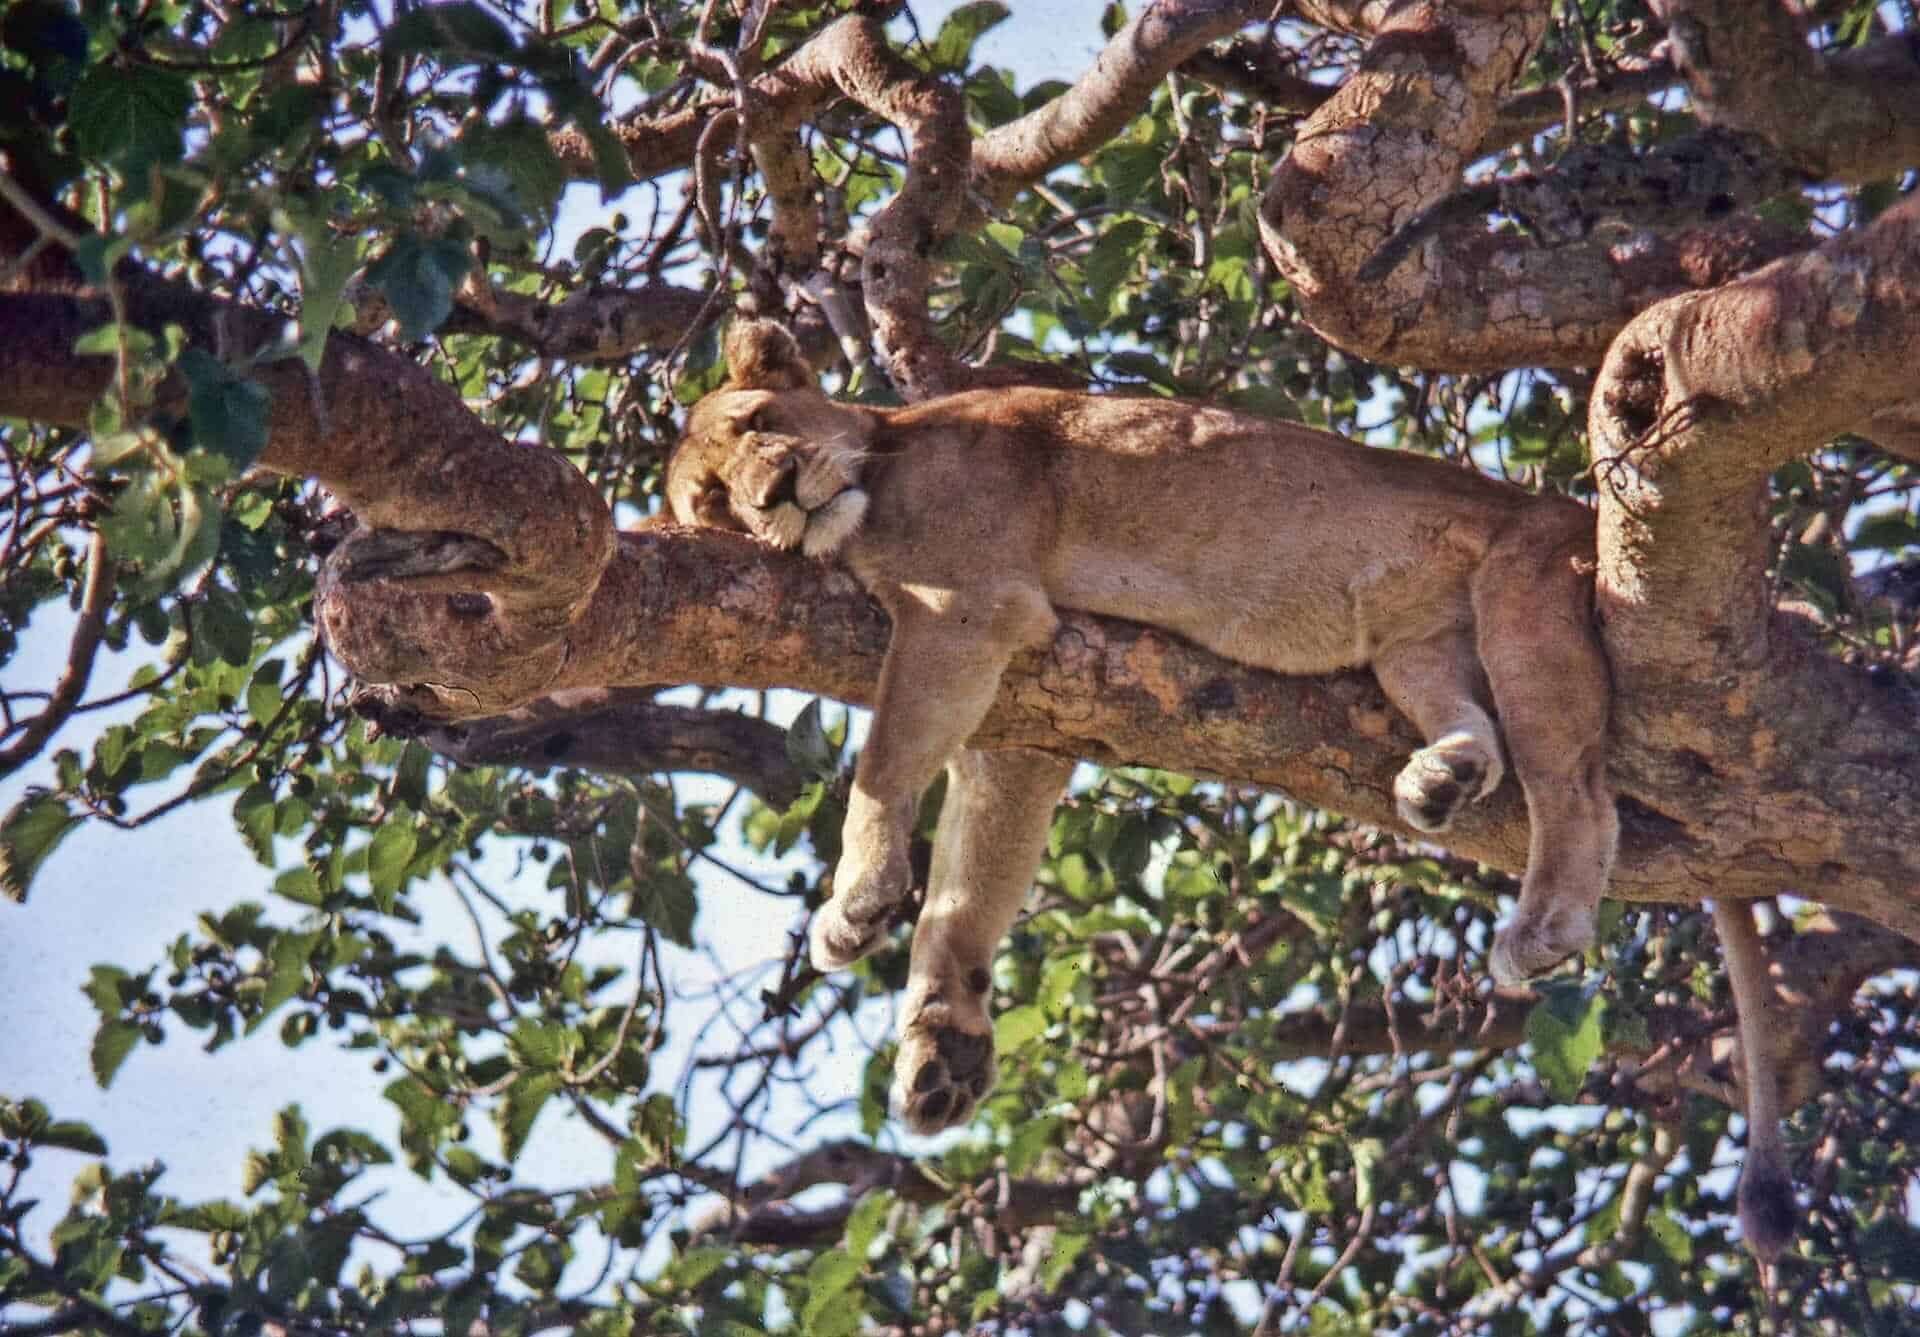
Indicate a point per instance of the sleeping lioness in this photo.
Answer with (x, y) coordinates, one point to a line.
(973, 517)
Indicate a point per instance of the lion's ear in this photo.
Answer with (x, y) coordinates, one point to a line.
(764, 356)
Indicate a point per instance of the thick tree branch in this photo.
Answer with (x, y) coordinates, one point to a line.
(1719, 804)
(851, 58)
(1257, 70)
(679, 606)
(1851, 115)
(395, 445)
(1702, 397)
(624, 731)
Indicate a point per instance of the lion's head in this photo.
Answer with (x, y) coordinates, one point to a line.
(769, 454)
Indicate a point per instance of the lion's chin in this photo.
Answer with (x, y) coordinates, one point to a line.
(829, 528)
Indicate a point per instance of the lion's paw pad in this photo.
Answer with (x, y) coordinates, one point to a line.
(940, 1075)
(1433, 786)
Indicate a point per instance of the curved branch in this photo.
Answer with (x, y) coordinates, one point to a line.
(1702, 398)
(851, 57)
(88, 628)
(1107, 96)
(395, 445)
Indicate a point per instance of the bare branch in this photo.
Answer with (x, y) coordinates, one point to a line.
(87, 630)
(623, 731)
(595, 325)
(1107, 96)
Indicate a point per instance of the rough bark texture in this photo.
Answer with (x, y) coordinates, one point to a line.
(1852, 115)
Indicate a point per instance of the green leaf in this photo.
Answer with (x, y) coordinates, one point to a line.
(228, 412)
(263, 694)
(831, 1272)
(36, 825)
(1066, 1249)
(875, 1081)
(524, 1099)
(865, 1222)
(301, 885)
(1143, 365)
(953, 47)
(663, 900)
(1017, 1026)
(287, 961)
(221, 630)
(129, 116)
(388, 854)
(417, 276)
(327, 262)
(1670, 1236)
(1112, 259)
(521, 154)
(1566, 1030)
(1128, 171)
(542, 1045)
(695, 1266)
(808, 747)
(1890, 530)
(111, 1045)
(1030, 1139)
(71, 1135)
(109, 989)
(1368, 1153)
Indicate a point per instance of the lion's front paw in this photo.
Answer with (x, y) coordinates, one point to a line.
(1439, 780)
(1532, 946)
(838, 938)
(855, 921)
(941, 1073)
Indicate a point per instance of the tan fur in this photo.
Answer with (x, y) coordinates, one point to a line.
(974, 516)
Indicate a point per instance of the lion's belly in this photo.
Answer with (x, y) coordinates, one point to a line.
(1309, 617)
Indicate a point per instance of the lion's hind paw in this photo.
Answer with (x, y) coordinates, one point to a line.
(1439, 780)
(941, 1073)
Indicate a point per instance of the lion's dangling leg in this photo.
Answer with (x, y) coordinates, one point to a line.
(1533, 614)
(993, 830)
(942, 672)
